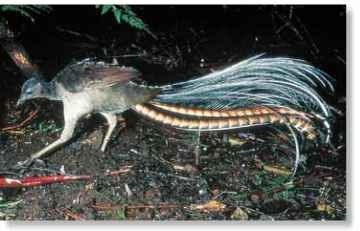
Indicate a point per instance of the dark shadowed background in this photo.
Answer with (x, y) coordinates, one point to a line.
(191, 40)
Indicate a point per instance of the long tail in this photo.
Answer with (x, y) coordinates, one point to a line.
(254, 92)
(215, 123)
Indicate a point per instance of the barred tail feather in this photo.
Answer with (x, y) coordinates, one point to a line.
(192, 123)
(259, 81)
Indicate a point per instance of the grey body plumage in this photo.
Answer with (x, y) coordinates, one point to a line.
(106, 87)
(88, 87)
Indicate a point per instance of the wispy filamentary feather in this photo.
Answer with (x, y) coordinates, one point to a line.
(259, 80)
(256, 81)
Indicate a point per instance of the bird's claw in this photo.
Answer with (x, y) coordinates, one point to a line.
(23, 164)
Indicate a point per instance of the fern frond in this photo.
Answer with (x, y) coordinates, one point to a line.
(27, 11)
(127, 15)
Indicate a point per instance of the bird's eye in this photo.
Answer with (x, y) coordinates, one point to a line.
(28, 91)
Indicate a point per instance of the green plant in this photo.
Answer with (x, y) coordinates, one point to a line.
(9, 204)
(27, 11)
(120, 214)
(127, 15)
(121, 14)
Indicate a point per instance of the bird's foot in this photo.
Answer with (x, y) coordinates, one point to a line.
(23, 164)
(26, 164)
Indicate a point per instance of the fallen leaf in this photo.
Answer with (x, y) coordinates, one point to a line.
(277, 170)
(211, 206)
(322, 206)
(235, 141)
(239, 214)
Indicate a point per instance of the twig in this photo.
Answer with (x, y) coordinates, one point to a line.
(210, 206)
(116, 207)
(122, 170)
(36, 181)
(78, 34)
(256, 212)
(166, 206)
(23, 123)
(31, 181)
(69, 213)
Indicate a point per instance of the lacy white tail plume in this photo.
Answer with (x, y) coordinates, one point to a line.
(284, 82)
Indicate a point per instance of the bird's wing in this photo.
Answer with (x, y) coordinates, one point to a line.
(92, 75)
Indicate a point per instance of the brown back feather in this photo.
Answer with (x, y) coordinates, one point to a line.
(92, 75)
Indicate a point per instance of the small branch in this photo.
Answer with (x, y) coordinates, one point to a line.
(107, 207)
(31, 181)
(122, 170)
(210, 206)
(23, 123)
(68, 213)
(39, 180)
(78, 34)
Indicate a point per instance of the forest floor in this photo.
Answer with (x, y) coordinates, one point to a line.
(239, 175)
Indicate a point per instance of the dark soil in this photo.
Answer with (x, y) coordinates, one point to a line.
(175, 173)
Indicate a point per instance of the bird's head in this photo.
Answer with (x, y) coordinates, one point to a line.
(33, 88)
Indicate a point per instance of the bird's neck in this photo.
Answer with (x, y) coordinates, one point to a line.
(51, 91)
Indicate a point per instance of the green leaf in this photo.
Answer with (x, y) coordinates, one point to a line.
(118, 15)
(26, 10)
(121, 214)
(105, 9)
(10, 204)
(127, 15)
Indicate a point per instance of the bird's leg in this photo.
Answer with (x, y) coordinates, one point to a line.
(72, 115)
(69, 126)
(112, 121)
(66, 135)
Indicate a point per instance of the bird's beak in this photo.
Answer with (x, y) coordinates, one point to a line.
(19, 103)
